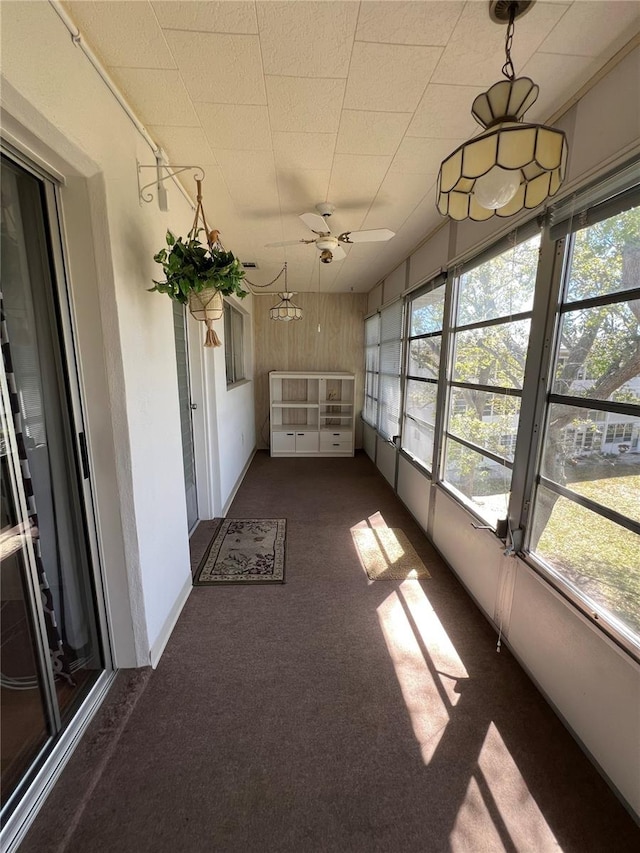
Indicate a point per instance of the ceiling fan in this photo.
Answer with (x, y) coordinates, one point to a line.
(328, 245)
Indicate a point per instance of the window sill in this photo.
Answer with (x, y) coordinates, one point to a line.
(238, 384)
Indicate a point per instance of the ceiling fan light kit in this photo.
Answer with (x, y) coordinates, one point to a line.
(511, 165)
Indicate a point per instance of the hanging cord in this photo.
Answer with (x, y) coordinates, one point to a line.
(209, 305)
(507, 69)
(273, 281)
(213, 237)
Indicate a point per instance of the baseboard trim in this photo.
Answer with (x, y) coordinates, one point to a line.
(156, 650)
(234, 490)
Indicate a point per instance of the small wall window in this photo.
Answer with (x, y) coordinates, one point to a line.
(372, 369)
(233, 344)
(424, 347)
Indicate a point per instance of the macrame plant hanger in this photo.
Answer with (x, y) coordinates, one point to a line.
(206, 305)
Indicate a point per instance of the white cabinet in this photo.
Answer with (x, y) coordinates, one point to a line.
(312, 414)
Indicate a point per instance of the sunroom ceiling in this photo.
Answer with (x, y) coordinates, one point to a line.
(288, 104)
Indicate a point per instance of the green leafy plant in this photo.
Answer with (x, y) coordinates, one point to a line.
(190, 266)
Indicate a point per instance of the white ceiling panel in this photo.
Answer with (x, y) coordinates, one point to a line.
(587, 27)
(304, 105)
(389, 77)
(364, 132)
(208, 16)
(251, 178)
(186, 146)
(544, 69)
(357, 179)
(419, 156)
(219, 68)
(397, 198)
(475, 53)
(408, 22)
(318, 36)
(126, 34)
(445, 113)
(333, 100)
(147, 88)
(304, 150)
(301, 189)
(244, 127)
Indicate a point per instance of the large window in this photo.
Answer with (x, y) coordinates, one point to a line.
(586, 521)
(372, 366)
(389, 375)
(521, 385)
(489, 341)
(233, 344)
(424, 348)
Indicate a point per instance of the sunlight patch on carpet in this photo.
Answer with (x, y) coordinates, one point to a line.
(387, 554)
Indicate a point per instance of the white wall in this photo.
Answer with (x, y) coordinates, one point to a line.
(57, 105)
(593, 685)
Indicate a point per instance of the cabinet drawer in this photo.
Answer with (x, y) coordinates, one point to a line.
(340, 442)
(306, 442)
(283, 442)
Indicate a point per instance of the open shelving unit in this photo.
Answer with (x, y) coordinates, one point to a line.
(312, 414)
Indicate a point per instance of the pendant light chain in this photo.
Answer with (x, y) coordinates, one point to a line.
(507, 69)
(273, 281)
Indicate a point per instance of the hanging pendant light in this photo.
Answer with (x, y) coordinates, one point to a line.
(512, 165)
(285, 309)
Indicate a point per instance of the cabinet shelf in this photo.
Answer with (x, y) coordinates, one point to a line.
(280, 404)
(312, 414)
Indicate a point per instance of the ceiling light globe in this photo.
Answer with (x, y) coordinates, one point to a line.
(496, 189)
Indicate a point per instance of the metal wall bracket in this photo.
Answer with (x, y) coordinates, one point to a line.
(164, 171)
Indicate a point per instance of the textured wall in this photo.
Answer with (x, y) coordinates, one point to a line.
(298, 345)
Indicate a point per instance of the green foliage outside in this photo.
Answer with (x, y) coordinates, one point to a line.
(597, 556)
(599, 354)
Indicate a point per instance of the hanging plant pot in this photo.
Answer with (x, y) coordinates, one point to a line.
(200, 275)
(206, 306)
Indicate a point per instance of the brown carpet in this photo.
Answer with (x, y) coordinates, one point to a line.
(335, 714)
(386, 554)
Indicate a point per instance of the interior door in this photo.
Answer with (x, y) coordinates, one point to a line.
(186, 423)
(51, 653)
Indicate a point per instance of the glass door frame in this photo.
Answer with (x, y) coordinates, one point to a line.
(23, 804)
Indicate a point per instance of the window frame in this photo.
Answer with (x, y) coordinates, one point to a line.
(558, 305)
(373, 397)
(397, 304)
(233, 348)
(594, 203)
(524, 233)
(439, 281)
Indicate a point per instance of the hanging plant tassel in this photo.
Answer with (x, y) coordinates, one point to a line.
(212, 339)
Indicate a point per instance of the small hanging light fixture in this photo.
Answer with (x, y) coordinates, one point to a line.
(285, 309)
(512, 165)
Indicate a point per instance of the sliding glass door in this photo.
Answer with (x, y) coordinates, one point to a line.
(51, 653)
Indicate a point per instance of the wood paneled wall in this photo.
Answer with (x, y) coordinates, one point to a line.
(298, 345)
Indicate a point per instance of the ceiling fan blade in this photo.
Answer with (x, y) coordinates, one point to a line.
(338, 253)
(373, 236)
(316, 222)
(286, 243)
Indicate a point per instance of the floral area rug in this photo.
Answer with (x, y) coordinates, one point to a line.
(244, 550)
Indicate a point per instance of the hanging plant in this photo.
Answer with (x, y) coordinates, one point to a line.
(199, 275)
